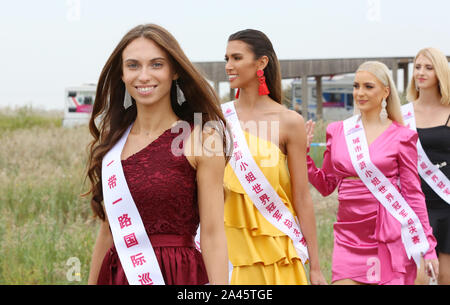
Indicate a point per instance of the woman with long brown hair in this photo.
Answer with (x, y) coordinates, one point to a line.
(150, 184)
(266, 180)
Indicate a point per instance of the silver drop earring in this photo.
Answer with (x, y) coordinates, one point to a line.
(127, 102)
(383, 112)
(180, 95)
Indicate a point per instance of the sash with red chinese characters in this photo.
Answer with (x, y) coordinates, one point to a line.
(413, 236)
(130, 238)
(429, 172)
(259, 190)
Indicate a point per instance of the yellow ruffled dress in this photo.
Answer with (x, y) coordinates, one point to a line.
(260, 253)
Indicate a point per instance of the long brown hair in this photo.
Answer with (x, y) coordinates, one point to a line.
(260, 45)
(110, 119)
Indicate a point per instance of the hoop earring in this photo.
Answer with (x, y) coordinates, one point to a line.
(383, 112)
(263, 90)
(127, 101)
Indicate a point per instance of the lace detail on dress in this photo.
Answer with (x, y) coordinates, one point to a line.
(164, 188)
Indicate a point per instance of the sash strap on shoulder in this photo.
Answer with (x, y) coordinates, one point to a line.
(429, 172)
(132, 243)
(412, 233)
(259, 189)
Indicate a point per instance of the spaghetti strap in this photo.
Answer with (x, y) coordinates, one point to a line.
(447, 120)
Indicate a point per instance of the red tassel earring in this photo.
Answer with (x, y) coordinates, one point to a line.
(263, 90)
(237, 93)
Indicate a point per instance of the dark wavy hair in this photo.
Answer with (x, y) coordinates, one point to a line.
(110, 119)
(260, 45)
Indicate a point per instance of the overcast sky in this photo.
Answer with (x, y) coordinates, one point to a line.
(48, 45)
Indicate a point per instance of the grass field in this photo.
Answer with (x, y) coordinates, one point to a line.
(45, 225)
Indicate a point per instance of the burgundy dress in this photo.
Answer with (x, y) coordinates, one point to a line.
(163, 186)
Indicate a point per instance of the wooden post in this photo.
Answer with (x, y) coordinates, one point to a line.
(305, 97)
(395, 73)
(319, 99)
(405, 77)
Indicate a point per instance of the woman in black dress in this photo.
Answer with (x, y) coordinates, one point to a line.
(429, 91)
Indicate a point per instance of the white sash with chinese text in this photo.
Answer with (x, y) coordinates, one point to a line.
(260, 191)
(130, 238)
(429, 172)
(413, 236)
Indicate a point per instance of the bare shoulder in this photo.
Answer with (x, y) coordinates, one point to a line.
(292, 129)
(204, 146)
(290, 119)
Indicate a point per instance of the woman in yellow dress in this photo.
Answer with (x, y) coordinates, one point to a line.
(276, 137)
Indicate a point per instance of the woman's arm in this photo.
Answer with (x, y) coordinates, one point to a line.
(103, 243)
(323, 178)
(412, 192)
(210, 171)
(303, 205)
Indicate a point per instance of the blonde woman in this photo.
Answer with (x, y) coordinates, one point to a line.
(429, 93)
(374, 172)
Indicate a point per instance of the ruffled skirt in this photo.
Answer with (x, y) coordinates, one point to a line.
(259, 252)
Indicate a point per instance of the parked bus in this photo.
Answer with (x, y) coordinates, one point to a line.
(79, 101)
(337, 97)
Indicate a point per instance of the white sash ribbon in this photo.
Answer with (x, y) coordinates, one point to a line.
(429, 172)
(413, 236)
(255, 184)
(130, 238)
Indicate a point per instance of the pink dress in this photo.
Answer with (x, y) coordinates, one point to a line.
(367, 239)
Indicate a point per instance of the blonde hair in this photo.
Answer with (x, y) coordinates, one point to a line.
(383, 74)
(440, 65)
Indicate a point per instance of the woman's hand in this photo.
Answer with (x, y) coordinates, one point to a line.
(316, 277)
(432, 268)
(294, 127)
(309, 125)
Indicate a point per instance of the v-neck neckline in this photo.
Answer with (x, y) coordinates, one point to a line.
(380, 136)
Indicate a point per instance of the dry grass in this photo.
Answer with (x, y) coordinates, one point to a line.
(325, 207)
(325, 210)
(27, 117)
(44, 221)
